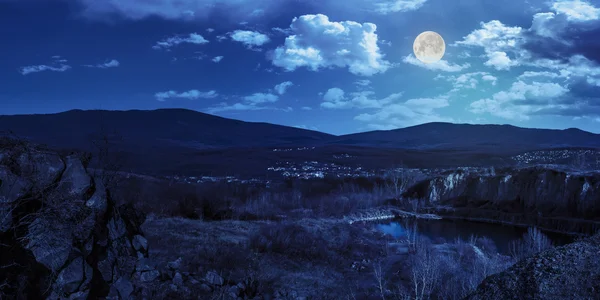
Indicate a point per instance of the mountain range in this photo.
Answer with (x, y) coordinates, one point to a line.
(150, 137)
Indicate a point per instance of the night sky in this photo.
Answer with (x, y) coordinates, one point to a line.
(329, 65)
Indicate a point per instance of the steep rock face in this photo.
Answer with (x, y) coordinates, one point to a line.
(567, 272)
(61, 236)
(529, 195)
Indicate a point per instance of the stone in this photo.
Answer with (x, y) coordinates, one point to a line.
(178, 279)
(106, 266)
(149, 275)
(144, 264)
(50, 241)
(123, 287)
(75, 180)
(83, 295)
(71, 277)
(234, 291)
(140, 243)
(98, 202)
(213, 278)
(205, 288)
(116, 228)
(176, 264)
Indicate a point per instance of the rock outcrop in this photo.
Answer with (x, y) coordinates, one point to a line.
(567, 272)
(551, 199)
(61, 235)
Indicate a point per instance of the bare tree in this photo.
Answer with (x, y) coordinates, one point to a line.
(380, 278)
(424, 271)
(532, 242)
(398, 178)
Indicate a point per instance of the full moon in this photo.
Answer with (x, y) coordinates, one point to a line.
(429, 47)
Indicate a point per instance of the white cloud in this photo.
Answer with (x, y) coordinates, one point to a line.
(191, 94)
(249, 38)
(318, 43)
(496, 39)
(306, 108)
(506, 47)
(408, 113)
(392, 6)
(533, 74)
(441, 65)
(58, 65)
(223, 106)
(522, 100)
(113, 63)
(282, 87)
(363, 82)
(492, 79)
(468, 80)
(335, 98)
(307, 127)
(209, 30)
(260, 98)
(40, 68)
(217, 59)
(256, 101)
(577, 10)
(192, 38)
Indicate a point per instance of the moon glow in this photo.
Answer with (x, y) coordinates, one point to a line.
(429, 47)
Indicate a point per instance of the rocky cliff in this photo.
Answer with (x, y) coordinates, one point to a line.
(61, 235)
(557, 200)
(567, 272)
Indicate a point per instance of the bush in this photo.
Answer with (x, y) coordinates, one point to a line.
(289, 239)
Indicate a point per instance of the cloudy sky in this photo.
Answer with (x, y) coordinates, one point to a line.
(330, 65)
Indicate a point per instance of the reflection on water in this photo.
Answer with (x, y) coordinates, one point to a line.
(449, 230)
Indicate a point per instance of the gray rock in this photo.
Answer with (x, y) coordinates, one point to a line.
(213, 278)
(106, 266)
(234, 291)
(144, 264)
(98, 202)
(140, 243)
(567, 272)
(83, 295)
(71, 278)
(75, 180)
(43, 168)
(125, 266)
(116, 228)
(88, 247)
(178, 279)
(50, 242)
(149, 275)
(12, 187)
(205, 288)
(176, 264)
(123, 287)
(83, 229)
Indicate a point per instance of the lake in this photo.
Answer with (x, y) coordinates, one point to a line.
(449, 230)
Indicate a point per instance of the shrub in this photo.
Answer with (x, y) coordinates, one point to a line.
(289, 239)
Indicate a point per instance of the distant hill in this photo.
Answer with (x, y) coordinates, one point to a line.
(496, 138)
(163, 128)
(179, 140)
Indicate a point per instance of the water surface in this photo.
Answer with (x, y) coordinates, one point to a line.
(449, 230)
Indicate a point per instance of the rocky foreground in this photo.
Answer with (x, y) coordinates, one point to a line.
(567, 272)
(62, 236)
